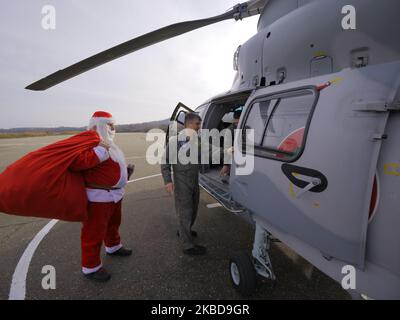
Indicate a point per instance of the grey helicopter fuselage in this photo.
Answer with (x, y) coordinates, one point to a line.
(347, 86)
(320, 86)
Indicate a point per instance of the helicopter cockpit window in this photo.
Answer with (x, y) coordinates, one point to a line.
(280, 124)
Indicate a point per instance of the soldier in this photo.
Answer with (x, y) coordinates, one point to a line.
(185, 182)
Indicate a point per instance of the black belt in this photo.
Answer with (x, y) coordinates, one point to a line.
(93, 186)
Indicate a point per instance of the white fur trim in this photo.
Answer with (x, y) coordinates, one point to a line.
(98, 195)
(98, 120)
(91, 270)
(101, 153)
(113, 249)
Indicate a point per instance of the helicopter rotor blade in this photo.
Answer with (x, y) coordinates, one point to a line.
(239, 11)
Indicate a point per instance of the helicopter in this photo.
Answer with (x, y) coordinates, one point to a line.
(324, 104)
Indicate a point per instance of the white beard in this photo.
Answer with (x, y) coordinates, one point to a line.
(107, 135)
(110, 133)
(116, 154)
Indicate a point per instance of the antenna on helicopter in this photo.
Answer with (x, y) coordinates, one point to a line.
(238, 12)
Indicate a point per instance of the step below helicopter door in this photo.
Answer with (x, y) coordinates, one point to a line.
(315, 157)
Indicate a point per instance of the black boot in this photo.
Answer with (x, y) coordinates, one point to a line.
(196, 251)
(122, 252)
(100, 275)
(192, 232)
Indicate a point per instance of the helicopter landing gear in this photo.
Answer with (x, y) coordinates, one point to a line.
(243, 273)
(244, 269)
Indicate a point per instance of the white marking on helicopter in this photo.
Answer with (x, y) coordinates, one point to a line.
(18, 283)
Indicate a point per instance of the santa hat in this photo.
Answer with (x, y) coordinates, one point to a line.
(100, 117)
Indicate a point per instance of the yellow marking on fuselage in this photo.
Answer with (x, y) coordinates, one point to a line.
(291, 189)
(320, 54)
(316, 205)
(392, 169)
(336, 80)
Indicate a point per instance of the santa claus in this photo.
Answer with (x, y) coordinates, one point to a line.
(106, 174)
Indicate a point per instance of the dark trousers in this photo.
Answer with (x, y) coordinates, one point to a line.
(187, 195)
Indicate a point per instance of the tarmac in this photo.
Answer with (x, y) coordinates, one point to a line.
(157, 269)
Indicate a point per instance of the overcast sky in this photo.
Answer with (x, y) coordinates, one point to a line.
(143, 86)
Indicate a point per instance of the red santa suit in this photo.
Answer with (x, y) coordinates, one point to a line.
(105, 177)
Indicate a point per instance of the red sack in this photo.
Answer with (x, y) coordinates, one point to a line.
(40, 184)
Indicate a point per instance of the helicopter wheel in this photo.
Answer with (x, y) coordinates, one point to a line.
(243, 274)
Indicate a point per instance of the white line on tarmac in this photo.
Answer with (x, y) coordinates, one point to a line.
(144, 178)
(18, 284)
(214, 205)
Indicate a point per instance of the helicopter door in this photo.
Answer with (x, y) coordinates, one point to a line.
(315, 157)
(177, 120)
(180, 112)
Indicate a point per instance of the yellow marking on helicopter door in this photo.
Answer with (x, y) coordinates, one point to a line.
(293, 193)
(291, 188)
(392, 169)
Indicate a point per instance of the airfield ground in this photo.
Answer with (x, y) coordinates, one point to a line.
(157, 269)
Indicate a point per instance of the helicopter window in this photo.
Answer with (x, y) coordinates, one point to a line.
(258, 117)
(280, 123)
(285, 129)
(181, 117)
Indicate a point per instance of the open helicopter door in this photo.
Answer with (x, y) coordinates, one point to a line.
(177, 120)
(315, 156)
(216, 190)
(180, 112)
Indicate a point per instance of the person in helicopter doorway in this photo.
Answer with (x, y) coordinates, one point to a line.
(226, 169)
(185, 181)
